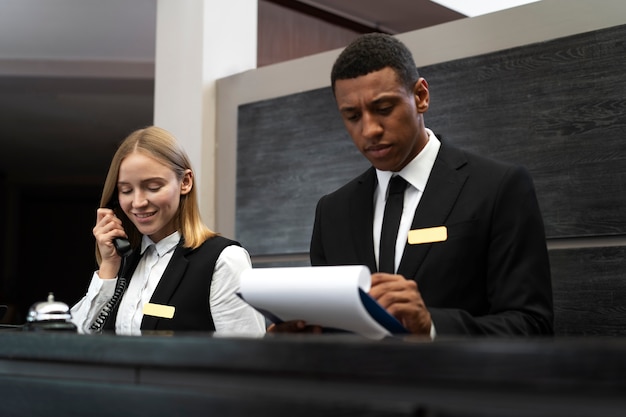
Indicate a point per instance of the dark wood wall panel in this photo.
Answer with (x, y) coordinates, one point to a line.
(286, 34)
(589, 287)
(557, 107)
(291, 150)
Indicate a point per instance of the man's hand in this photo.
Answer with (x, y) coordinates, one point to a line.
(401, 298)
(294, 326)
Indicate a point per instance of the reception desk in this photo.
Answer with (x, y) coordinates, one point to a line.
(65, 374)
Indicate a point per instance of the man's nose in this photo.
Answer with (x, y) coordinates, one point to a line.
(371, 126)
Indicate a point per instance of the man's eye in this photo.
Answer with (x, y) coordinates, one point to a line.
(385, 110)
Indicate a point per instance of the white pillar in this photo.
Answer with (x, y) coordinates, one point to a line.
(198, 42)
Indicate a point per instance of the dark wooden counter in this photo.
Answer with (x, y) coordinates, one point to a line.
(63, 374)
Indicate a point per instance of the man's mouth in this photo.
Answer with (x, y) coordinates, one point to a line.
(378, 150)
(377, 146)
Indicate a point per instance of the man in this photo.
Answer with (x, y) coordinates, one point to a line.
(470, 256)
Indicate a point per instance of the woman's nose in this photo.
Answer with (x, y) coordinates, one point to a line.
(139, 199)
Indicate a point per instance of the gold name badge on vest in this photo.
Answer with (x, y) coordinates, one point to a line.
(428, 235)
(158, 310)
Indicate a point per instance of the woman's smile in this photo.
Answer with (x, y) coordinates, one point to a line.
(143, 217)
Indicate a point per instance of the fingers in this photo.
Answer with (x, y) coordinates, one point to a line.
(385, 284)
(108, 223)
(105, 216)
(108, 226)
(380, 277)
(294, 326)
(395, 294)
(402, 299)
(410, 310)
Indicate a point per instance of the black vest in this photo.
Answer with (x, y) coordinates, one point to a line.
(185, 285)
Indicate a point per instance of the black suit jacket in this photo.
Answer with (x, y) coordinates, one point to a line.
(491, 276)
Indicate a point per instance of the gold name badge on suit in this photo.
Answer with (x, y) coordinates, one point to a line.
(158, 310)
(428, 235)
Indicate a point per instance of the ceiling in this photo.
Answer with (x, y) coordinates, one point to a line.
(76, 75)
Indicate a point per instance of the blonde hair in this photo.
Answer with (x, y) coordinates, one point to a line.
(161, 145)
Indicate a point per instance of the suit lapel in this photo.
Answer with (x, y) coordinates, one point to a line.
(442, 190)
(361, 218)
(168, 284)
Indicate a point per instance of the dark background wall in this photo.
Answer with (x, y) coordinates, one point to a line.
(557, 107)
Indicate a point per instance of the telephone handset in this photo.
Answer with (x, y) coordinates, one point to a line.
(122, 246)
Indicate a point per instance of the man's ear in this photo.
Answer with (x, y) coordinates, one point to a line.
(422, 96)
(187, 183)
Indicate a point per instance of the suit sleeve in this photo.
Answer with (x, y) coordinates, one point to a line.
(316, 250)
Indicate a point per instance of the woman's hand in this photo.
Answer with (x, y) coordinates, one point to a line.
(108, 226)
(401, 298)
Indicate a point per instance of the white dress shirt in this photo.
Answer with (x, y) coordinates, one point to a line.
(231, 315)
(416, 173)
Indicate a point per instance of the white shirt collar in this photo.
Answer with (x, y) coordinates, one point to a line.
(164, 246)
(418, 170)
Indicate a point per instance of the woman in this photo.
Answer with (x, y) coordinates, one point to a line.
(180, 275)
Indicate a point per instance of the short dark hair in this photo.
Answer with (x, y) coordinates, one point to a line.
(372, 52)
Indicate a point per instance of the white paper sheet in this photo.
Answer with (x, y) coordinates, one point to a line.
(327, 296)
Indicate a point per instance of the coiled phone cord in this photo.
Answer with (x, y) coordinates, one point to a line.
(98, 323)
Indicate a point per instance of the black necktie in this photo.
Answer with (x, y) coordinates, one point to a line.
(391, 222)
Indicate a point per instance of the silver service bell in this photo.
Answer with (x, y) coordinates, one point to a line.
(49, 315)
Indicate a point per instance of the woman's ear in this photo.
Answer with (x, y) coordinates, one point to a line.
(187, 182)
(422, 96)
